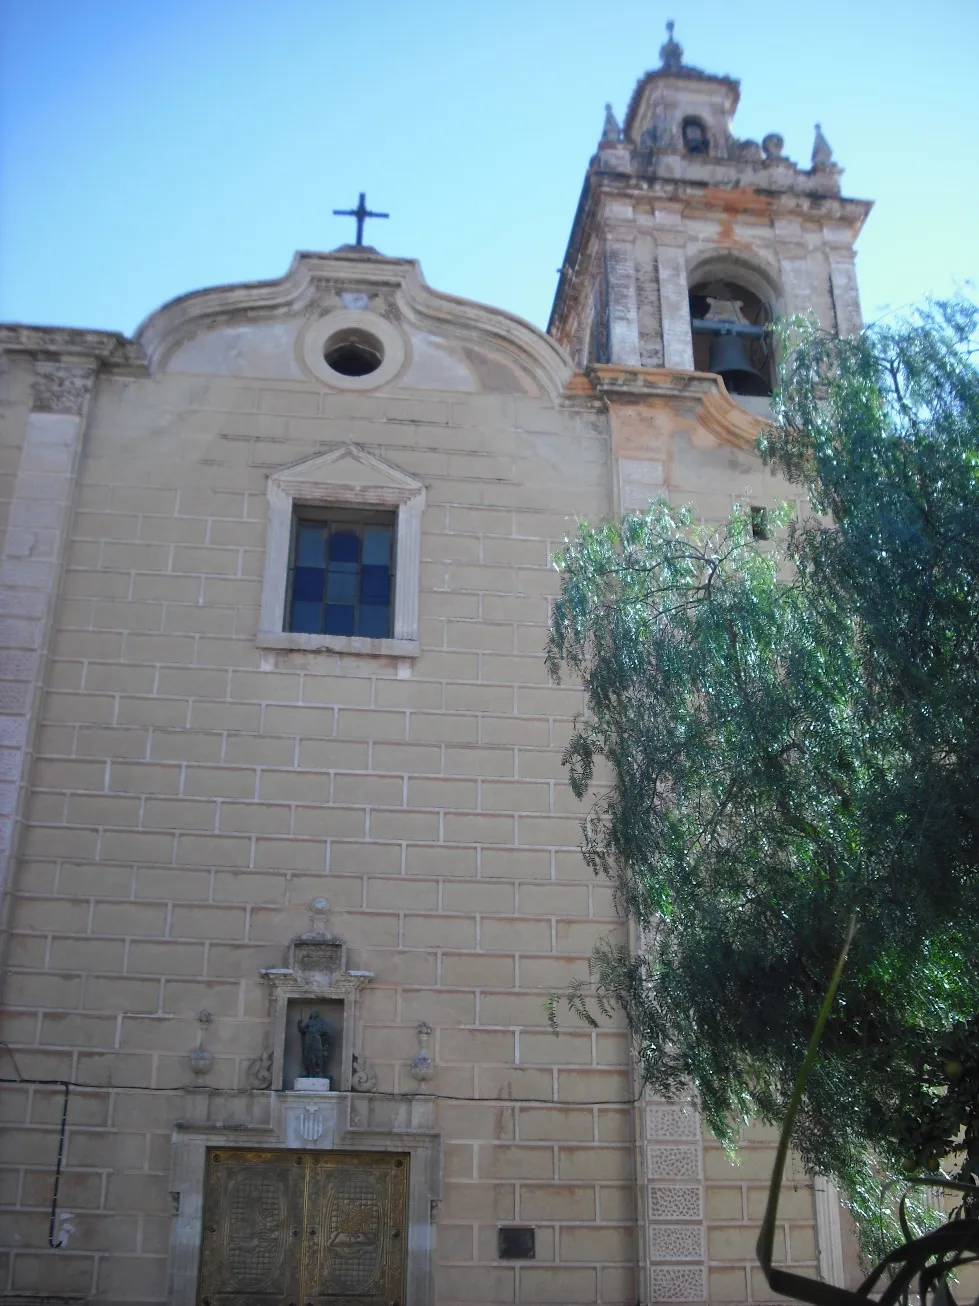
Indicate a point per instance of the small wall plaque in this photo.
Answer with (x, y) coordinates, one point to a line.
(516, 1243)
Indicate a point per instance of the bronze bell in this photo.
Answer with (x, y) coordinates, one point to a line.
(729, 357)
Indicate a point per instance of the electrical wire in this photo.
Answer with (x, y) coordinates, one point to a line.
(444, 1097)
(68, 1084)
(238, 1092)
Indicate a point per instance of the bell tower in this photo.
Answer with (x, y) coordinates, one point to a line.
(687, 241)
(686, 244)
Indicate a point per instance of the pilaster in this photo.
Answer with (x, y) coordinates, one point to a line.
(793, 257)
(846, 295)
(829, 1233)
(623, 307)
(648, 299)
(673, 1229)
(674, 301)
(31, 563)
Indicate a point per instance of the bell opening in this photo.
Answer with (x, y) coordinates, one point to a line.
(743, 361)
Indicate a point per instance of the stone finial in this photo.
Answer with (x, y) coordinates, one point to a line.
(749, 150)
(671, 52)
(773, 144)
(319, 909)
(611, 131)
(822, 153)
(200, 1058)
(422, 1066)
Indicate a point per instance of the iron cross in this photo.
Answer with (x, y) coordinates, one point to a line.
(360, 213)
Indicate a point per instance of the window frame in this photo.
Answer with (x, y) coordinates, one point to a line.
(332, 517)
(348, 478)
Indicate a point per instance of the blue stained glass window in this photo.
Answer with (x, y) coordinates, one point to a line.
(375, 623)
(341, 586)
(306, 618)
(341, 574)
(375, 585)
(344, 547)
(340, 620)
(307, 585)
(377, 546)
(310, 544)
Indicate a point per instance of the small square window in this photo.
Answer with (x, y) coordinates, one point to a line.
(759, 523)
(341, 573)
(516, 1243)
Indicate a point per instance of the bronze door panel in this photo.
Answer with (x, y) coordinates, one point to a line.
(251, 1249)
(304, 1229)
(358, 1205)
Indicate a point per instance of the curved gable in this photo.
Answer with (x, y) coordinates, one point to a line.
(262, 329)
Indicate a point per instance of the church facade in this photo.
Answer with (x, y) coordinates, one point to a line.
(289, 861)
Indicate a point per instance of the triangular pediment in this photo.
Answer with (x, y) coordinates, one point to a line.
(349, 466)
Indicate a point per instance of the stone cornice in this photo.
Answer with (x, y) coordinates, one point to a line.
(739, 184)
(311, 286)
(71, 345)
(613, 380)
(701, 396)
(695, 199)
(741, 195)
(727, 421)
(337, 985)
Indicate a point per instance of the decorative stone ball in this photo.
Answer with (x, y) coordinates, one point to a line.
(773, 144)
(201, 1061)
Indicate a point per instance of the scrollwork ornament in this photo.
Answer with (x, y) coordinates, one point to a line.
(259, 1072)
(364, 1077)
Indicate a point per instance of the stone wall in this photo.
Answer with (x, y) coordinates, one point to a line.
(191, 793)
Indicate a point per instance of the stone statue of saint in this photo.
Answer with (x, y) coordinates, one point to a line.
(315, 1034)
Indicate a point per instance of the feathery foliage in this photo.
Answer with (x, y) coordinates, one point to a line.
(790, 736)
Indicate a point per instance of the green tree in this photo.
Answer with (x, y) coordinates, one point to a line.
(786, 734)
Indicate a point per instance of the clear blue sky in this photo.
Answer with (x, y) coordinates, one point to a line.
(152, 149)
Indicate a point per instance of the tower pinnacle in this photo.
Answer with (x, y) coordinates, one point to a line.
(671, 52)
(611, 131)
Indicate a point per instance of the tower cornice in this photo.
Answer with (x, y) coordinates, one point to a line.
(698, 198)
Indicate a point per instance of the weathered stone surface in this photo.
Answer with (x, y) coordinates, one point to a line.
(181, 785)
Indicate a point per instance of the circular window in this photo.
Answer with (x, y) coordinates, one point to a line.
(354, 353)
(353, 349)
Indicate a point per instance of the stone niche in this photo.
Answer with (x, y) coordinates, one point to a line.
(316, 978)
(301, 1010)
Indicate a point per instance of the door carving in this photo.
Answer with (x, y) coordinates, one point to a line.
(304, 1228)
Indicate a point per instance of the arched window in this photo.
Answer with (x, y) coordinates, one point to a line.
(731, 337)
(695, 138)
